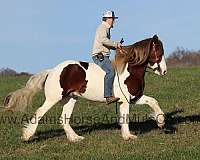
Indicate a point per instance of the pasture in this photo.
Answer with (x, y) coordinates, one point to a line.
(178, 94)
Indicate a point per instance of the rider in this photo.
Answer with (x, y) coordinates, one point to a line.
(101, 52)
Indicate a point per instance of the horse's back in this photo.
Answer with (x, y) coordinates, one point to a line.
(83, 77)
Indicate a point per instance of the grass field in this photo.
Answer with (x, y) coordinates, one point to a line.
(178, 94)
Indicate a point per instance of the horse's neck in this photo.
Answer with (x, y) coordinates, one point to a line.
(137, 71)
(119, 63)
(119, 66)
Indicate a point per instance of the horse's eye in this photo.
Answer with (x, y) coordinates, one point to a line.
(131, 57)
(151, 63)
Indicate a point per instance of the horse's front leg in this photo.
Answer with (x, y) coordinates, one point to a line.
(124, 122)
(158, 113)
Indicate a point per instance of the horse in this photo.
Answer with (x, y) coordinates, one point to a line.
(72, 79)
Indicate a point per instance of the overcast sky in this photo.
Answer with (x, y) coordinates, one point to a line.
(39, 34)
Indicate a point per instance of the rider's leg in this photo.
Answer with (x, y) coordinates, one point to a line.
(106, 65)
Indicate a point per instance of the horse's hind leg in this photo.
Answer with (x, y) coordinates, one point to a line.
(65, 117)
(30, 128)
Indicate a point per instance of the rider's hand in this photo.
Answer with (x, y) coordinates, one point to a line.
(119, 45)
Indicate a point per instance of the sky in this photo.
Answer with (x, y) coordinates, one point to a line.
(39, 34)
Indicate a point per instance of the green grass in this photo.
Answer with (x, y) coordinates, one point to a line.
(177, 93)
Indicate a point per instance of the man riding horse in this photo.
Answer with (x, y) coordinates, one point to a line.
(72, 79)
(101, 53)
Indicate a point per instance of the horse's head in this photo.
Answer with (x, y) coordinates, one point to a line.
(156, 60)
(148, 52)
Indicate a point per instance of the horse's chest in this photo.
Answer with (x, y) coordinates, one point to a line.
(134, 84)
(135, 81)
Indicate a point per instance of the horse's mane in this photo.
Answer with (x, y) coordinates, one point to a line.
(135, 54)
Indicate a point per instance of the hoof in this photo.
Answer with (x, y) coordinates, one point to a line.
(76, 139)
(129, 137)
(161, 126)
(26, 135)
(160, 119)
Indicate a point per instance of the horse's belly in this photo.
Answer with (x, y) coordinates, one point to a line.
(95, 85)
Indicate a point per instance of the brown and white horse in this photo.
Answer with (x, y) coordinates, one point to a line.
(71, 79)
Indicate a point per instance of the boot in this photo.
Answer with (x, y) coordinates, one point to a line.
(111, 99)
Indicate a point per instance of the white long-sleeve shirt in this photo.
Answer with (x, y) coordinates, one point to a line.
(102, 42)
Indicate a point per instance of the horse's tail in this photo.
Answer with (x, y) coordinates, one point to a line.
(21, 98)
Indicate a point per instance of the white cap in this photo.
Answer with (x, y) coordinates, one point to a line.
(109, 14)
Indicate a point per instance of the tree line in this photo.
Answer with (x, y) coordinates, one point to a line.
(182, 57)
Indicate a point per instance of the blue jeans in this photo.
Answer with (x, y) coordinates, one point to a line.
(106, 65)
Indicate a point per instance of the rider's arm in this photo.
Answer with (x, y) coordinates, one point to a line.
(105, 40)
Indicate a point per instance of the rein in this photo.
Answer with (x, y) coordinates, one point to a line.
(120, 85)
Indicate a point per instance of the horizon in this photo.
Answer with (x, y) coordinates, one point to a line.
(36, 35)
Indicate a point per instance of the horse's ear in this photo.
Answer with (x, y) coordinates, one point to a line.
(155, 37)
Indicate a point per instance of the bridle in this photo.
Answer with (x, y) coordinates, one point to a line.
(157, 60)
